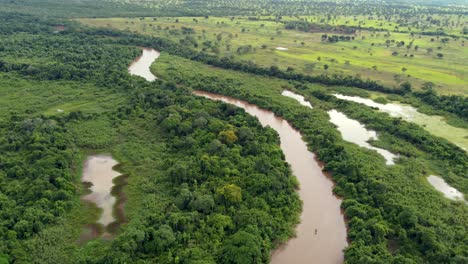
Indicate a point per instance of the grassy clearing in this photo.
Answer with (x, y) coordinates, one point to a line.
(367, 55)
(21, 95)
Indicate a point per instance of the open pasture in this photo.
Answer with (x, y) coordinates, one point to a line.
(389, 57)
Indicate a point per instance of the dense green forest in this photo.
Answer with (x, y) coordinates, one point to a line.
(221, 179)
(205, 181)
(376, 198)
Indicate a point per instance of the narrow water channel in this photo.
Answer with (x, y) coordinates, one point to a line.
(435, 125)
(321, 235)
(99, 174)
(297, 97)
(449, 192)
(355, 132)
(351, 130)
(141, 65)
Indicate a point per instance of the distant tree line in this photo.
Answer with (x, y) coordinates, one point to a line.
(315, 27)
(457, 106)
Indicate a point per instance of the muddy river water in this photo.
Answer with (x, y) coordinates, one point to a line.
(141, 65)
(355, 132)
(297, 97)
(321, 235)
(351, 130)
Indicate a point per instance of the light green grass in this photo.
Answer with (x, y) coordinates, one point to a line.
(21, 95)
(350, 58)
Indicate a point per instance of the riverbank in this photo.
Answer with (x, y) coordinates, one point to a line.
(321, 234)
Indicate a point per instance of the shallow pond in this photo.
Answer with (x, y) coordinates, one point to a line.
(321, 235)
(435, 125)
(99, 173)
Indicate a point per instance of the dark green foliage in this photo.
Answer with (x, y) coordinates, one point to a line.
(453, 103)
(36, 180)
(312, 27)
(192, 197)
(73, 8)
(241, 248)
(393, 215)
(207, 183)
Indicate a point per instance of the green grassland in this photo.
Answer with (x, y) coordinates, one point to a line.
(447, 23)
(367, 55)
(22, 95)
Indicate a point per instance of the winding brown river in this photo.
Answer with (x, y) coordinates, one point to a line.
(321, 234)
